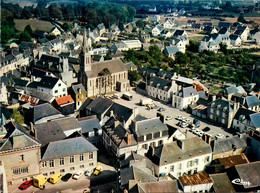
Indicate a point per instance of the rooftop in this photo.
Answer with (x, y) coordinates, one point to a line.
(195, 179)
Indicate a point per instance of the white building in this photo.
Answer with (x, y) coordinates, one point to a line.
(184, 97)
(3, 94)
(154, 18)
(52, 86)
(235, 40)
(181, 157)
(157, 30)
(169, 24)
(55, 31)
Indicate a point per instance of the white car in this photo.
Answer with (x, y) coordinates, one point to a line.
(179, 117)
(168, 118)
(89, 172)
(219, 136)
(183, 125)
(78, 175)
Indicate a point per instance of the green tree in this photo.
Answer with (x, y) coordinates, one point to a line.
(18, 118)
(241, 18)
(193, 46)
(133, 75)
(181, 58)
(25, 37)
(28, 29)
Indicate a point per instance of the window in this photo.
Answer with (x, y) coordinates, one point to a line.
(144, 146)
(91, 164)
(90, 156)
(21, 170)
(45, 174)
(44, 164)
(62, 170)
(62, 161)
(64, 89)
(59, 84)
(179, 166)
(179, 174)
(56, 91)
(52, 172)
(189, 164)
(72, 159)
(196, 162)
(72, 168)
(81, 166)
(51, 163)
(81, 157)
(172, 168)
(21, 158)
(206, 159)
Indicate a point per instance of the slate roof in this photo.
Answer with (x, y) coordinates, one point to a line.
(44, 110)
(150, 126)
(8, 142)
(171, 50)
(223, 30)
(159, 186)
(255, 119)
(54, 130)
(221, 183)
(76, 88)
(4, 111)
(67, 147)
(243, 112)
(113, 66)
(171, 152)
(120, 112)
(252, 101)
(163, 84)
(233, 37)
(133, 173)
(229, 144)
(99, 105)
(135, 158)
(89, 123)
(230, 90)
(187, 92)
(238, 32)
(224, 24)
(48, 82)
(249, 172)
(178, 33)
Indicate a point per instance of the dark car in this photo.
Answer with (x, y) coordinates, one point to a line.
(66, 177)
(206, 129)
(25, 185)
(161, 109)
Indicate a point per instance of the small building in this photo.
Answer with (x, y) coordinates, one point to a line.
(221, 183)
(68, 156)
(184, 97)
(79, 95)
(65, 105)
(235, 40)
(252, 103)
(157, 30)
(179, 33)
(200, 182)
(55, 31)
(170, 51)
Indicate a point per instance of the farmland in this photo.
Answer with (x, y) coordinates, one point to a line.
(34, 23)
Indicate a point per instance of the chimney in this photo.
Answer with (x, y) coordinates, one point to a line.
(129, 137)
(35, 134)
(213, 98)
(31, 127)
(135, 125)
(111, 113)
(116, 123)
(135, 111)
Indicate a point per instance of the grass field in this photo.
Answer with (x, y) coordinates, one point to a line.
(34, 23)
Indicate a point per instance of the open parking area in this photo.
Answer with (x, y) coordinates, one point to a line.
(171, 113)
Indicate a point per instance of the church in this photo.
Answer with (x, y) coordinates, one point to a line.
(101, 77)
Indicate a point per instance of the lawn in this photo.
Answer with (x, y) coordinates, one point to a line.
(34, 23)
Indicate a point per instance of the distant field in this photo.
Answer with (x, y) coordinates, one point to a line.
(22, 3)
(34, 23)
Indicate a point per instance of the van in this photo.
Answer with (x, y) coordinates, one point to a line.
(40, 181)
(127, 96)
(55, 178)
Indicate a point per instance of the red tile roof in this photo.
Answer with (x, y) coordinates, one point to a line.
(64, 100)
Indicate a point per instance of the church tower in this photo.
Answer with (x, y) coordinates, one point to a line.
(86, 55)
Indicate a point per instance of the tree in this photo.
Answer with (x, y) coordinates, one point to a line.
(140, 23)
(28, 29)
(133, 75)
(223, 48)
(193, 46)
(181, 58)
(25, 37)
(241, 18)
(67, 26)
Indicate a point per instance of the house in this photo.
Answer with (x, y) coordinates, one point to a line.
(55, 31)
(235, 40)
(255, 35)
(154, 18)
(23, 150)
(209, 30)
(55, 130)
(224, 24)
(221, 183)
(209, 45)
(68, 156)
(157, 30)
(252, 103)
(224, 31)
(52, 86)
(92, 75)
(79, 95)
(161, 89)
(242, 32)
(245, 120)
(180, 157)
(199, 182)
(248, 173)
(222, 112)
(196, 27)
(181, 99)
(170, 51)
(159, 186)
(166, 33)
(179, 33)
(3, 94)
(226, 147)
(65, 105)
(181, 43)
(149, 132)
(168, 24)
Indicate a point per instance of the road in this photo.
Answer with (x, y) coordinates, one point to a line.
(170, 111)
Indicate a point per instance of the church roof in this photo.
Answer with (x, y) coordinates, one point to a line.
(113, 66)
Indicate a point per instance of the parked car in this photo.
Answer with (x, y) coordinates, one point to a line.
(89, 172)
(169, 117)
(161, 109)
(219, 136)
(179, 117)
(55, 178)
(97, 171)
(66, 177)
(183, 124)
(206, 129)
(25, 185)
(78, 175)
